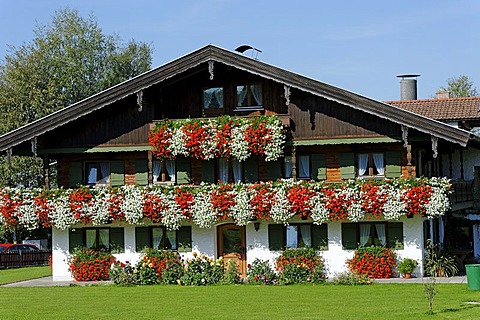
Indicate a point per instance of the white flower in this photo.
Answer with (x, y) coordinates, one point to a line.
(172, 216)
(98, 210)
(26, 213)
(320, 214)
(280, 212)
(274, 149)
(61, 216)
(239, 145)
(210, 143)
(203, 211)
(438, 204)
(355, 212)
(132, 204)
(394, 207)
(242, 211)
(178, 143)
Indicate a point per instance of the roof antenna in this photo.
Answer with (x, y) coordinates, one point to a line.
(246, 47)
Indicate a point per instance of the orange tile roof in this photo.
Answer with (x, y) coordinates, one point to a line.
(443, 109)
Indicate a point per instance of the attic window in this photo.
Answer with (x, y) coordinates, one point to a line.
(213, 98)
(249, 96)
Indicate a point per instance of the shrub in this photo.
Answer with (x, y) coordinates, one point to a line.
(407, 266)
(231, 275)
(167, 265)
(349, 279)
(90, 265)
(123, 274)
(374, 262)
(201, 271)
(300, 266)
(260, 272)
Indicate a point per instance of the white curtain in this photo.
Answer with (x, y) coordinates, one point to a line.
(92, 175)
(218, 93)
(257, 93)
(292, 237)
(104, 241)
(441, 230)
(157, 235)
(207, 96)
(223, 170)
(288, 167)
(380, 227)
(156, 170)
(170, 166)
(105, 172)
(364, 233)
(378, 162)
(237, 171)
(362, 164)
(90, 237)
(172, 238)
(241, 94)
(306, 233)
(303, 167)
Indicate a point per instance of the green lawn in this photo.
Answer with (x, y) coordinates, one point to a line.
(20, 274)
(379, 301)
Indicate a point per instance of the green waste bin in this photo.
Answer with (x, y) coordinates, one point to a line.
(473, 276)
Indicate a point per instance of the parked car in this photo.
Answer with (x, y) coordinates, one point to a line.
(19, 247)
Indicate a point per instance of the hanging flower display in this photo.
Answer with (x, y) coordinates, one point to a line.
(204, 205)
(220, 137)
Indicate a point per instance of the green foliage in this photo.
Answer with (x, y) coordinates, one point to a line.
(350, 279)
(260, 272)
(231, 275)
(202, 271)
(300, 266)
(460, 86)
(22, 274)
(407, 265)
(430, 289)
(437, 262)
(123, 274)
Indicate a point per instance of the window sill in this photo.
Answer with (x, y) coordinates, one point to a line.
(250, 108)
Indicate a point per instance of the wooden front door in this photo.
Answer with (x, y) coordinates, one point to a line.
(231, 246)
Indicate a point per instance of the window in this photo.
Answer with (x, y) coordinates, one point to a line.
(158, 237)
(226, 171)
(213, 98)
(97, 173)
(365, 234)
(370, 165)
(111, 239)
(163, 172)
(287, 167)
(303, 167)
(249, 95)
(301, 235)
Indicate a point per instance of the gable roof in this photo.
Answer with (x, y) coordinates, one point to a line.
(216, 54)
(445, 109)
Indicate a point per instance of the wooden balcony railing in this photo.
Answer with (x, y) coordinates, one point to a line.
(462, 191)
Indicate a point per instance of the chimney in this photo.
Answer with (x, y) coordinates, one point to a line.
(442, 93)
(408, 86)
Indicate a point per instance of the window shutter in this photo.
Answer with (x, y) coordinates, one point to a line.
(349, 236)
(395, 235)
(117, 173)
(141, 172)
(117, 240)
(250, 168)
(274, 170)
(184, 239)
(142, 238)
(183, 170)
(393, 168)
(275, 237)
(320, 236)
(347, 165)
(75, 239)
(208, 171)
(75, 174)
(319, 166)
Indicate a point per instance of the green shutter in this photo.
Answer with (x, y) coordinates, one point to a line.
(250, 169)
(320, 236)
(347, 165)
(75, 174)
(349, 236)
(75, 239)
(117, 173)
(117, 240)
(393, 168)
(141, 172)
(274, 170)
(275, 237)
(395, 235)
(183, 170)
(184, 239)
(319, 166)
(142, 238)
(208, 171)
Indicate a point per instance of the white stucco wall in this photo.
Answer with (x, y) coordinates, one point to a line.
(205, 241)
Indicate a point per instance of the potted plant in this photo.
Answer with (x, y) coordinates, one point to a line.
(407, 266)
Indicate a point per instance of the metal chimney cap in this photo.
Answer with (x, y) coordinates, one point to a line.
(408, 75)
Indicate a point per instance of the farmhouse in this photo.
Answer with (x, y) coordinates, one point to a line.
(226, 155)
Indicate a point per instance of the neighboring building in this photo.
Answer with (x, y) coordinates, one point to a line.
(332, 135)
(461, 164)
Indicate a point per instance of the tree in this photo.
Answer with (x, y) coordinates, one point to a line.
(68, 60)
(460, 86)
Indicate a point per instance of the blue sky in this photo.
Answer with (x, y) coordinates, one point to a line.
(357, 45)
